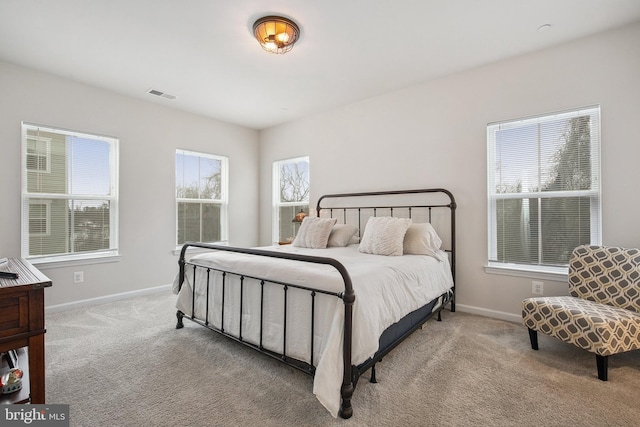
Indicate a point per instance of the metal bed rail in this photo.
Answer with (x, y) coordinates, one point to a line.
(347, 296)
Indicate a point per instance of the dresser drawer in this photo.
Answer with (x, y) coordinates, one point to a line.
(14, 313)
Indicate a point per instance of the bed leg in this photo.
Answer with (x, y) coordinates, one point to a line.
(373, 375)
(179, 315)
(439, 318)
(346, 410)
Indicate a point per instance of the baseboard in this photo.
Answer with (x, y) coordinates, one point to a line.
(107, 298)
(164, 288)
(509, 317)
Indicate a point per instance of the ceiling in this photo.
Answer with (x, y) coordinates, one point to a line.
(203, 51)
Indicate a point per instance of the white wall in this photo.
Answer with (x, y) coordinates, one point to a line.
(431, 135)
(149, 134)
(434, 135)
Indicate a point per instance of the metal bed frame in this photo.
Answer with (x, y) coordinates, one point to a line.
(393, 336)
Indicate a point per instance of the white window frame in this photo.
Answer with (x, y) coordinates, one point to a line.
(223, 201)
(70, 258)
(543, 272)
(276, 201)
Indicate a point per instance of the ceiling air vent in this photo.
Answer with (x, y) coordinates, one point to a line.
(162, 94)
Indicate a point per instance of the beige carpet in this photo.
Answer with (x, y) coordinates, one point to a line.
(124, 364)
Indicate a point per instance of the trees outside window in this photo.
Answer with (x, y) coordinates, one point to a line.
(201, 197)
(290, 196)
(543, 188)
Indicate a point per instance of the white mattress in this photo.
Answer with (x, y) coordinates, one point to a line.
(386, 287)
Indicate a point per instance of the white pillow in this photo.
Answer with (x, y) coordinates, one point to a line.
(422, 239)
(341, 235)
(314, 232)
(384, 235)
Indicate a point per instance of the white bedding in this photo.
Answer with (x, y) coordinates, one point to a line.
(386, 288)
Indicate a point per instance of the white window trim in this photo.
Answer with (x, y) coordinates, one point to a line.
(87, 258)
(557, 274)
(275, 197)
(70, 259)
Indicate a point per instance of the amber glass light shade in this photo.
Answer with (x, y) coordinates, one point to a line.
(276, 34)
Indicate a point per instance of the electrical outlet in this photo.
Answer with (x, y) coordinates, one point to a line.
(537, 288)
(78, 276)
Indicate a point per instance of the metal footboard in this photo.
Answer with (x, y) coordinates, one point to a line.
(347, 296)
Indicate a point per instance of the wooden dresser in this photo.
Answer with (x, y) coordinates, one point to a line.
(22, 327)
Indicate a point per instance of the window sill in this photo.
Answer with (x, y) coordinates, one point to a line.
(58, 262)
(195, 250)
(556, 274)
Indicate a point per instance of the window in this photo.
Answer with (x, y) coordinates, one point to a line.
(39, 218)
(543, 189)
(290, 196)
(201, 197)
(69, 194)
(38, 154)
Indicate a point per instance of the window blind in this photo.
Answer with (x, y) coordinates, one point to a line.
(543, 187)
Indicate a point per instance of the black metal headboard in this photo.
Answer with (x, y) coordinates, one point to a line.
(433, 205)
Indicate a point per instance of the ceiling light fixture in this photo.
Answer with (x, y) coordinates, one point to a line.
(276, 34)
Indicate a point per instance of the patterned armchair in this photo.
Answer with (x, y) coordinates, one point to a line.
(602, 313)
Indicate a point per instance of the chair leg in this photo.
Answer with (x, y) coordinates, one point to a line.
(533, 337)
(602, 363)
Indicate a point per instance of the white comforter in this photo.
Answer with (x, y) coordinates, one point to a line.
(386, 287)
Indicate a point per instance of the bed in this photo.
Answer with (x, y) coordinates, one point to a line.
(362, 274)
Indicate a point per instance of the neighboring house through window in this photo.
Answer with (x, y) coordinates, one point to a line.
(69, 194)
(290, 196)
(543, 190)
(39, 218)
(38, 152)
(201, 197)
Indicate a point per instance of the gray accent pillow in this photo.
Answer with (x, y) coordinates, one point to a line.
(314, 232)
(341, 235)
(422, 239)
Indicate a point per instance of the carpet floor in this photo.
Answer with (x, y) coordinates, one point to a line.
(124, 364)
